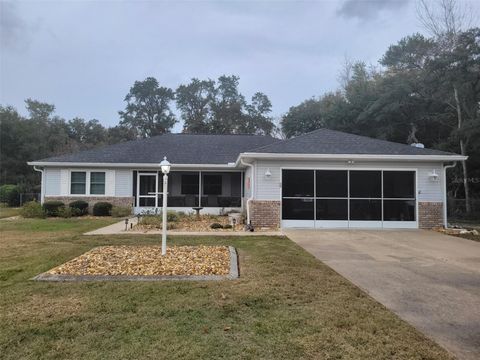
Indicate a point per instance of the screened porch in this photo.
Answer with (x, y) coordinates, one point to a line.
(189, 189)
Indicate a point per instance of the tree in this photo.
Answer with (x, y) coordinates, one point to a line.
(218, 107)
(302, 118)
(39, 111)
(194, 102)
(227, 106)
(445, 20)
(86, 134)
(148, 108)
(257, 119)
(119, 133)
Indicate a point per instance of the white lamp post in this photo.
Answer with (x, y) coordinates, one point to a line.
(165, 166)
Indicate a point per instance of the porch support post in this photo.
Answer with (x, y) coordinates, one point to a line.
(199, 189)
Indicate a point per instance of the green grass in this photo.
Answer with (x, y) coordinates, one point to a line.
(6, 212)
(286, 305)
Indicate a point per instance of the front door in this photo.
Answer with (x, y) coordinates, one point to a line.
(146, 189)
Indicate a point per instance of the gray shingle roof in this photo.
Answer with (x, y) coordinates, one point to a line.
(179, 149)
(222, 149)
(325, 141)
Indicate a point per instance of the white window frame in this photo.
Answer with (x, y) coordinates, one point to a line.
(87, 184)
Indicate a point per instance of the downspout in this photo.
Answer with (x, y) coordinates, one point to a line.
(445, 167)
(42, 191)
(251, 188)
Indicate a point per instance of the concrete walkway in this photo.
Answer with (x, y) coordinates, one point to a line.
(119, 229)
(429, 279)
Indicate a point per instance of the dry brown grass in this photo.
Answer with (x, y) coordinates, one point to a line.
(285, 305)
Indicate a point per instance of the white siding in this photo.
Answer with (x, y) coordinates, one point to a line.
(110, 181)
(123, 182)
(270, 188)
(52, 181)
(64, 182)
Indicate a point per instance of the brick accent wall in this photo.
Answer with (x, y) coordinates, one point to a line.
(265, 213)
(430, 215)
(116, 201)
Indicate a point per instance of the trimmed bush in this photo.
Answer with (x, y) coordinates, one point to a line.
(121, 211)
(67, 212)
(102, 209)
(216, 226)
(9, 194)
(32, 209)
(79, 207)
(53, 207)
(228, 226)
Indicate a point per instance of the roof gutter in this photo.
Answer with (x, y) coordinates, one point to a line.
(126, 165)
(371, 157)
(42, 184)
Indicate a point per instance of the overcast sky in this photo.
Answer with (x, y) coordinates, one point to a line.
(83, 56)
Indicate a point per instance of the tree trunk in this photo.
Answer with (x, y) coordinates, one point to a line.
(462, 152)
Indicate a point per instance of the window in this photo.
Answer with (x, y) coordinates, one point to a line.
(97, 183)
(190, 184)
(212, 184)
(78, 182)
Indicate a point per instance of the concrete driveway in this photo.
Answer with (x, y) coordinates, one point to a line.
(429, 279)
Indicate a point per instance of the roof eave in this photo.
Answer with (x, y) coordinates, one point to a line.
(370, 157)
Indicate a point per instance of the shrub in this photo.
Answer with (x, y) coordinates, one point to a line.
(9, 194)
(79, 207)
(102, 209)
(121, 211)
(52, 208)
(216, 226)
(172, 216)
(156, 220)
(32, 209)
(151, 220)
(228, 226)
(67, 212)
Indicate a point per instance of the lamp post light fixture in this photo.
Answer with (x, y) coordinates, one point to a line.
(165, 166)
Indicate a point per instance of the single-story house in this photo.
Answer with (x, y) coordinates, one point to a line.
(322, 179)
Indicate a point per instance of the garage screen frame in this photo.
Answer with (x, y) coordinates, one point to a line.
(349, 223)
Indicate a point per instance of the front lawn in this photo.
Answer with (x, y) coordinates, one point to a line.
(6, 212)
(286, 305)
